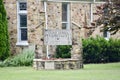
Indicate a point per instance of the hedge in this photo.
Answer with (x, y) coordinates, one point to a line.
(63, 51)
(99, 50)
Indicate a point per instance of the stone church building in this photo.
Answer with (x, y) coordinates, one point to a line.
(28, 20)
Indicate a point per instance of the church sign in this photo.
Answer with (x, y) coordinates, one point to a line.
(58, 37)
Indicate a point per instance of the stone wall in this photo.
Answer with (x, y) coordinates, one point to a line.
(11, 8)
(80, 14)
(36, 25)
(79, 18)
(60, 64)
(54, 15)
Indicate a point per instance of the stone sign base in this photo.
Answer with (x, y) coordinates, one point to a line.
(40, 64)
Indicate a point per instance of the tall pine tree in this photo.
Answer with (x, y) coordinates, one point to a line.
(4, 38)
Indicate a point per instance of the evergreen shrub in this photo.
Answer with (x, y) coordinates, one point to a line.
(63, 51)
(99, 50)
(4, 39)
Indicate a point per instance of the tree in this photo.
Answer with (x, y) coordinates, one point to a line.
(109, 16)
(4, 38)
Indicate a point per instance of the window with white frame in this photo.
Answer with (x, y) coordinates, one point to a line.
(22, 22)
(65, 16)
(106, 35)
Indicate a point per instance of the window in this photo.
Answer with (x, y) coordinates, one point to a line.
(22, 23)
(23, 6)
(65, 16)
(106, 35)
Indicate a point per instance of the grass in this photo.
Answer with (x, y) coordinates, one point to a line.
(109, 71)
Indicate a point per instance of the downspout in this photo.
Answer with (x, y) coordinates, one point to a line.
(91, 12)
(46, 21)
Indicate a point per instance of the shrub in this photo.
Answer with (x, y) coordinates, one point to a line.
(22, 59)
(4, 39)
(99, 50)
(114, 50)
(63, 51)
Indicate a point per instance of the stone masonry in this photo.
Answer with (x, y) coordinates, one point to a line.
(80, 17)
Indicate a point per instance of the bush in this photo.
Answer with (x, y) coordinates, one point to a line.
(63, 51)
(23, 59)
(114, 50)
(4, 39)
(99, 50)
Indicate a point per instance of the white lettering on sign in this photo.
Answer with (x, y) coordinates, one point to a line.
(57, 37)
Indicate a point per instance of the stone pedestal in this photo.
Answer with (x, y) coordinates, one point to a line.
(49, 65)
(57, 64)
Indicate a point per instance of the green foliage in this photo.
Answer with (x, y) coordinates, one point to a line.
(109, 16)
(114, 49)
(4, 38)
(22, 59)
(98, 50)
(63, 51)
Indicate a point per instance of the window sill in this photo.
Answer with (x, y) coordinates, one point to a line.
(22, 43)
(106, 38)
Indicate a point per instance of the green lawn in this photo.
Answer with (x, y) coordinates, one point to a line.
(109, 71)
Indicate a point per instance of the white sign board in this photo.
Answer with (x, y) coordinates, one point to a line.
(58, 37)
